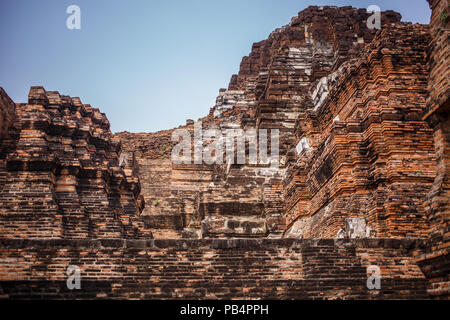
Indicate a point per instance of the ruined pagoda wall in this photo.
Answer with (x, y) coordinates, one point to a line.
(7, 123)
(171, 191)
(365, 153)
(270, 91)
(439, 55)
(435, 260)
(62, 176)
(7, 114)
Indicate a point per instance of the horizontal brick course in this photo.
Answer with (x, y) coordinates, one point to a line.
(215, 268)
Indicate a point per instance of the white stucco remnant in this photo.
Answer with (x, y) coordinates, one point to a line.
(368, 232)
(340, 234)
(320, 93)
(356, 228)
(123, 160)
(299, 59)
(322, 88)
(302, 145)
(226, 100)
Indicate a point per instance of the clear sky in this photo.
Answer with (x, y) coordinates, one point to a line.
(149, 65)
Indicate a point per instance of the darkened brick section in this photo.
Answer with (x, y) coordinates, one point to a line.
(216, 269)
(61, 176)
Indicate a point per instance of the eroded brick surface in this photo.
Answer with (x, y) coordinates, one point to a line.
(435, 261)
(370, 155)
(7, 114)
(61, 176)
(274, 86)
(364, 153)
(211, 269)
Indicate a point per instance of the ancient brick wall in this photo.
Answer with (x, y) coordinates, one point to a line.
(61, 174)
(364, 130)
(272, 88)
(435, 261)
(7, 113)
(367, 152)
(7, 132)
(439, 54)
(171, 191)
(212, 269)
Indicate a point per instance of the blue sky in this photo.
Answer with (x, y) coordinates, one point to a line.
(149, 65)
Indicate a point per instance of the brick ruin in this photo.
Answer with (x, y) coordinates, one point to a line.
(61, 176)
(363, 178)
